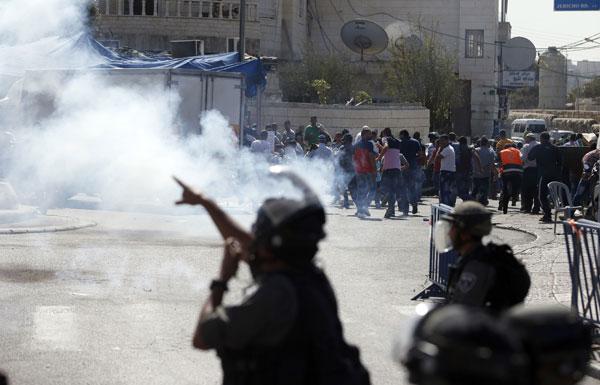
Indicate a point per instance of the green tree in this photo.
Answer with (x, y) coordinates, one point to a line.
(322, 88)
(524, 98)
(425, 74)
(592, 89)
(296, 79)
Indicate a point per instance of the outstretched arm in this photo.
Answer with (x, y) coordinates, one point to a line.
(226, 225)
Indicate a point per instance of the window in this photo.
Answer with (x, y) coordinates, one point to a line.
(135, 7)
(474, 43)
(233, 44)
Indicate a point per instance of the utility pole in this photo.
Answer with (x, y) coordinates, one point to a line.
(242, 41)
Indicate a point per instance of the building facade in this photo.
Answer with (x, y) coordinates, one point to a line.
(468, 29)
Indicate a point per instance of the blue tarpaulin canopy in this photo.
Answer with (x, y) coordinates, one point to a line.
(103, 57)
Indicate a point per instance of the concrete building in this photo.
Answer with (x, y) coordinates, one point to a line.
(469, 29)
(581, 73)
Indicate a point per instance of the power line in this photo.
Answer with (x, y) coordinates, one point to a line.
(420, 26)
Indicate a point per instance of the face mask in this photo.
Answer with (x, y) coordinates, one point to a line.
(441, 236)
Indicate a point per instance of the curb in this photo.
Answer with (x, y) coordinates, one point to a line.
(593, 371)
(46, 229)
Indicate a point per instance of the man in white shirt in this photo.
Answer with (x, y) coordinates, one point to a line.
(447, 172)
(530, 203)
(322, 152)
(263, 145)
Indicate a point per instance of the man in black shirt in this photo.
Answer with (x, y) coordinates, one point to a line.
(548, 161)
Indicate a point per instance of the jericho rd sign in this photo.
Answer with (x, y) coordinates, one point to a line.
(576, 5)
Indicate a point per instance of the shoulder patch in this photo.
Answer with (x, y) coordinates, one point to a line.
(466, 282)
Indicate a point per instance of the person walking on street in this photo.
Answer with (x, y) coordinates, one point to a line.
(322, 152)
(345, 173)
(511, 172)
(482, 175)
(312, 132)
(287, 330)
(549, 163)
(530, 201)
(582, 193)
(364, 164)
(392, 182)
(464, 168)
(502, 142)
(411, 149)
(447, 172)
(487, 276)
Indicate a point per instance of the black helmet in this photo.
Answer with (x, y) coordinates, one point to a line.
(291, 228)
(472, 217)
(458, 345)
(557, 340)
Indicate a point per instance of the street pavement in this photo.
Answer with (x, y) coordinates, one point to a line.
(117, 303)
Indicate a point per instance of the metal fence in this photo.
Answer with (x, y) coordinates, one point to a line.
(439, 263)
(582, 239)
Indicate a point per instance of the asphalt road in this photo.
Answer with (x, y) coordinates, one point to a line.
(117, 303)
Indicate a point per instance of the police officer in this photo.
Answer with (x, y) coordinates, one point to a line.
(287, 330)
(459, 345)
(511, 170)
(485, 275)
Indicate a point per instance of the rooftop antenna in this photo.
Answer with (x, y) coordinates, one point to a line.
(364, 37)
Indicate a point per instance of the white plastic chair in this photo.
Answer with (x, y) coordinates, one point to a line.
(563, 202)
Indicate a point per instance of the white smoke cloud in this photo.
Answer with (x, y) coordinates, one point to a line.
(23, 22)
(117, 140)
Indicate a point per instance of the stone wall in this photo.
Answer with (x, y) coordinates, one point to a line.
(337, 117)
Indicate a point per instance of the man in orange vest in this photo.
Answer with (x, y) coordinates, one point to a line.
(511, 170)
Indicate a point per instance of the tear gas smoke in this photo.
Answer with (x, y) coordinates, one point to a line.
(119, 141)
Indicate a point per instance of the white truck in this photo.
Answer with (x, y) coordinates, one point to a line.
(198, 91)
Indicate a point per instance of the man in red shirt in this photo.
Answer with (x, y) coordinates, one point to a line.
(364, 165)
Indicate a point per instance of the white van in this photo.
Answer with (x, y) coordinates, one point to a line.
(531, 126)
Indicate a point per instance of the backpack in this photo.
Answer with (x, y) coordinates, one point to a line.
(512, 279)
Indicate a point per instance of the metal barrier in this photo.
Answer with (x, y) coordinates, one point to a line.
(439, 263)
(582, 239)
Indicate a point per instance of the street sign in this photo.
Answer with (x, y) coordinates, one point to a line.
(518, 79)
(576, 5)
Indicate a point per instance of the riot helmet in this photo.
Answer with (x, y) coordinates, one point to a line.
(459, 345)
(469, 217)
(290, 228)
(557, 341)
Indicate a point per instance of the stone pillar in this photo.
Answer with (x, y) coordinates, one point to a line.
(107, 9)
(178, 8)
(189, 9)
(119, 7)
(143, 7)
(155, 8)
(130, 7)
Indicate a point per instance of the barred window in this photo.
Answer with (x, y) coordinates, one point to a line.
(474, 43)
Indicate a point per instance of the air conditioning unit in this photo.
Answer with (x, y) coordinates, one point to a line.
(186, 48)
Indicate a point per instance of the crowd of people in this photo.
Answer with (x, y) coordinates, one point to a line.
(376, 168)
(510, 170)
(370, 167)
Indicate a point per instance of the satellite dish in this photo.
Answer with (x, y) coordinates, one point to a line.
(412, 43)
(397, 30)
(518, 54)
(364, 37)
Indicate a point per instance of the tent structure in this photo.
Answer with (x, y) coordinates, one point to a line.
(83, 51)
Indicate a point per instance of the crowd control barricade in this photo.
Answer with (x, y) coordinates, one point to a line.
(582, 239)
(439, 263)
